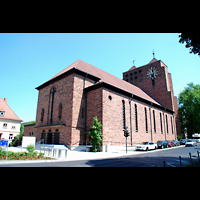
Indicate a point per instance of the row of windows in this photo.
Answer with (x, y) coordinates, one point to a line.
(165, 117)
(5, 125)
(59, 113)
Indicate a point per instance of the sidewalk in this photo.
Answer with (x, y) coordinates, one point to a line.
(75, 155)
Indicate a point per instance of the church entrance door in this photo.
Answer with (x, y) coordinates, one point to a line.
(49, 138)
(43, 137)
(56, 139)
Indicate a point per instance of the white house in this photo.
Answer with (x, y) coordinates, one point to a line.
(9, 122)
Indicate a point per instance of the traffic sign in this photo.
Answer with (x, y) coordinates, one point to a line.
(3, 142)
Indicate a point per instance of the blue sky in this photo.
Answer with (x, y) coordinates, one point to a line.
(29, 59)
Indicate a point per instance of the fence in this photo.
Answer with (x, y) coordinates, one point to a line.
(53, 152)
(194, 161)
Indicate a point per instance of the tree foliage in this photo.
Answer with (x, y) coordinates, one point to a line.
(189, 109)
(192, 41)
(96, 135)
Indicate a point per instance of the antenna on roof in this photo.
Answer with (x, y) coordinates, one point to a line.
(153, 54)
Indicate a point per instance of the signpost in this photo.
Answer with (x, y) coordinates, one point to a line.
(126, 134)
(4, 143)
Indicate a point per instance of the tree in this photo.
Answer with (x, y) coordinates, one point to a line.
(96, 135)
(18, 138)
(189, 109)
(192, 41)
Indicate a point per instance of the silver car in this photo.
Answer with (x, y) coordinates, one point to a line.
(190, 142)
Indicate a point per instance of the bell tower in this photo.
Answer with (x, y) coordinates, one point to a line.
(154, 79)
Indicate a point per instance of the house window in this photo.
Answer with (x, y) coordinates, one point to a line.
(161, 123)
(145, 110)
(2, 113)
(10, 136)
(154, 121)
(136, 119)
(172, 125)
(13, 126)
(4, 125)
(123, 114)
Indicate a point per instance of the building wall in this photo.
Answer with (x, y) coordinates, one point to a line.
(69, 92)
(6, 131)
(113, 121)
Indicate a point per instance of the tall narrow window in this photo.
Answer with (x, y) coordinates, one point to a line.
(136, 119)
(42, 115)
(123, 114)
(154, 121)
(172, 125)
(145, 110)
(167, 125)
(161, 126)
(60, 111)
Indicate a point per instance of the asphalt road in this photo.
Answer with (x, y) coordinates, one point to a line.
(152, 158)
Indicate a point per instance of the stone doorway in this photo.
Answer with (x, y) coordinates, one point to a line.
(49, 137)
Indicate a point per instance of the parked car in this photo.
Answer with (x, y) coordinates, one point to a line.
(146, 146)
(162, 144)
(170, 143)
(183, 141)
(176, 142)
(190, 143)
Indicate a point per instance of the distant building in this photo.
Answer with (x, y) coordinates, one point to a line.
(143, 101)
(9, 122)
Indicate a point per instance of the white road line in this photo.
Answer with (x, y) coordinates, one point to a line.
(171, 165)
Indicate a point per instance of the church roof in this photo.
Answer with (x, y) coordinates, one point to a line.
(153, 60)
(103, 77)
(8, 112)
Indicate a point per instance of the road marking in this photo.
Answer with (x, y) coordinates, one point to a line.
(171, 165)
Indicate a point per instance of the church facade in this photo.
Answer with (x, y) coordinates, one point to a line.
(68, 102)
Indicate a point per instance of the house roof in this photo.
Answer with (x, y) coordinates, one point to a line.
(9, 113)
(102, 76)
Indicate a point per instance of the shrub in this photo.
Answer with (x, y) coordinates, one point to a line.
(30, 148)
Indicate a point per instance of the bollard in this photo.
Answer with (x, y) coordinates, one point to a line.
(198, 156)
(164, 163)
(180, 161)
(191, 158)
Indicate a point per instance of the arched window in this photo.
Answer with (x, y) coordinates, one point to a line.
(42, 115)
(60, 111)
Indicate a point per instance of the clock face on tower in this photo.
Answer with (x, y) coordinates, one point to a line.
(152, 73)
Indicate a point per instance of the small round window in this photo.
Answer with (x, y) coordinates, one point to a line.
(109, 97)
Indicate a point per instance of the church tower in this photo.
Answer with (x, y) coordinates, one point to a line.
(155, 80)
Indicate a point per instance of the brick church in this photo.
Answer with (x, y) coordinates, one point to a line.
(143, 101)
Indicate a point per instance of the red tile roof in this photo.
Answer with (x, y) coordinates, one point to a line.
(107, 78)
(9, 114)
